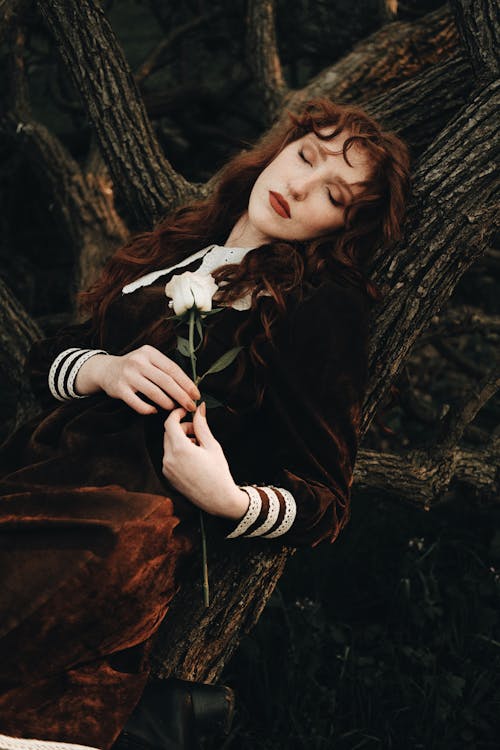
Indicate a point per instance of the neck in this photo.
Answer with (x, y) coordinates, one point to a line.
(243, 234)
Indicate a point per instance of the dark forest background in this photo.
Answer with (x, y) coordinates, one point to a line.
(390, 637)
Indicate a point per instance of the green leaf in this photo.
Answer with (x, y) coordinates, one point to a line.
(210, 401)
(206, 313)
(183, 346)
(224, 361)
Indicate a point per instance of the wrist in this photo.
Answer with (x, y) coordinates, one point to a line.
(90, 375)
(238, 505)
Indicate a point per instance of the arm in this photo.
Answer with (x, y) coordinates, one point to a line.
(306, 434)
(309, 425)
(41, 362)
(69, 365)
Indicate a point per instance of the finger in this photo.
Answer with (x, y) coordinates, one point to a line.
(138, 405)
(174, 418)
(201, 428)
(149, 389)
(168, 385)
(168, 366)
(173, 432)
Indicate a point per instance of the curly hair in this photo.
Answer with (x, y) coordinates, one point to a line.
(374, 216)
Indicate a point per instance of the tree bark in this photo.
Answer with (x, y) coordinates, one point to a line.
(146, 182)
(478, 23)
(450, 222)
(263, 56)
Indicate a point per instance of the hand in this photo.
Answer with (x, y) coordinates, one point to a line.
(145, 370)
(195, 464)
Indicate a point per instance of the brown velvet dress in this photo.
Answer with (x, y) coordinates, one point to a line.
(92, 536)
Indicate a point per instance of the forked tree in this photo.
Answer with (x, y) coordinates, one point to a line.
(434, 81)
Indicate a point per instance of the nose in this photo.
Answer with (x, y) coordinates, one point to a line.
(300, 188)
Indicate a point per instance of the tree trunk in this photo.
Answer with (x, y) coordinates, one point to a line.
(445, 105)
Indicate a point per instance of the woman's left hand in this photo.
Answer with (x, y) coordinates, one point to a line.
(195, 464)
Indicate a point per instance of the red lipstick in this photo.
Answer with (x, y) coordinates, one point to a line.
(279, 204)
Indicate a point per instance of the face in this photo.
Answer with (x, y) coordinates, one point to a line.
(303, 192)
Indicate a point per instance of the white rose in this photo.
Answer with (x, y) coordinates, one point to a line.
(188, 289)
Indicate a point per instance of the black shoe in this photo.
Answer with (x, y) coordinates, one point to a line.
(173, 714)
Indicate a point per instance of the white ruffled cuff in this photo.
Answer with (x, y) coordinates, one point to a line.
(270, 514)
(64, 369)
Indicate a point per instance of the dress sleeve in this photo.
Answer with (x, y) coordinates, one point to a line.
(310, 422)
(53, 363)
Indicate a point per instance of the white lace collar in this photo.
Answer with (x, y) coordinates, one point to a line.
(214, 257)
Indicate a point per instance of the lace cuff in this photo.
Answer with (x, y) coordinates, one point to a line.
(64, 369)
(270, 514)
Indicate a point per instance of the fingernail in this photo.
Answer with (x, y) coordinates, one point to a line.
(192, 406)
(203, 408)
(195, 393)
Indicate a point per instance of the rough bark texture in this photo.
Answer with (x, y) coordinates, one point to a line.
(395, 53)
(434, 103)
(478, 23)
(450, 222)
(263, 57)
(147, 184)
(81, 204)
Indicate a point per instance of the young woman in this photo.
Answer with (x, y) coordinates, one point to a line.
(99, 496)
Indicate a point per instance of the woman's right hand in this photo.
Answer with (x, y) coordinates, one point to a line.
(146, 371)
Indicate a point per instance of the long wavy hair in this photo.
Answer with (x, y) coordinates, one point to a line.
(374, 216)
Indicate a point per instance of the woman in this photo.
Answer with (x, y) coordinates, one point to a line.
(100, 494)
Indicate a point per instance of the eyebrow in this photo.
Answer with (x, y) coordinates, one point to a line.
(324, 154)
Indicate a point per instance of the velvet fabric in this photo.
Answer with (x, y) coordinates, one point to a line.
(92, 535)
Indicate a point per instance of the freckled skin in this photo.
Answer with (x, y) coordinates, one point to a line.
(308, 183)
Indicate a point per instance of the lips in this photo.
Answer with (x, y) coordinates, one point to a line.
(279, 204)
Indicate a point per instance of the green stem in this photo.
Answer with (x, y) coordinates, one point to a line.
(191, 342)
(206, 594)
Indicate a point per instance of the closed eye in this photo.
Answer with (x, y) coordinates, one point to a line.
(301, 154)
(330, 196)
(333, 201)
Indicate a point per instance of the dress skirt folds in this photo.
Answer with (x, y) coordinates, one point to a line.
(92, 535)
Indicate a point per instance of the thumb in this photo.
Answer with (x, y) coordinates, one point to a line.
(200, 425)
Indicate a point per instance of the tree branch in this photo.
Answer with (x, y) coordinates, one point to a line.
(448, 228)
(478, 23)
(395, 53)
(464, 412)
(263, 56)
(146, 182)
(82, 204)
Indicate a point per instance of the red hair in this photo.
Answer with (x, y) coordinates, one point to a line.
(375, 216)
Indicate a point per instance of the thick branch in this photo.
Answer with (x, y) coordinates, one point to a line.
(463, 413)
(416, 477)
(263, 56)
(82, 205)
(147, 183)
(214, 634)
(455, 197)
(420, 108)
(459, 320)
(395, 53)
(478, 23)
